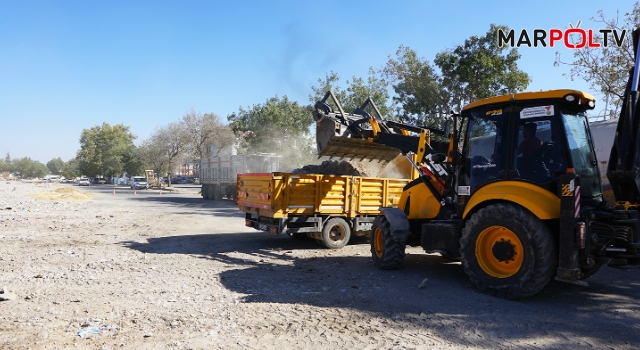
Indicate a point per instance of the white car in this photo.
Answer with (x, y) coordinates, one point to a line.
(139, 182)
(83, 181)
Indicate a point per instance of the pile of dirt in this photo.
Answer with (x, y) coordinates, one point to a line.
(334, 167)
(399, 168)
(65, 194)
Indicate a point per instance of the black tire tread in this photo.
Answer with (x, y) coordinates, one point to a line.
(394, 252)
(530, 281)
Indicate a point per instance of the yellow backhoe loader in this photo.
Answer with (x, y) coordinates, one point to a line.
(515, 194)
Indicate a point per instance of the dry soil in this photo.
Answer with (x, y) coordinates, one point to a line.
(171, 270)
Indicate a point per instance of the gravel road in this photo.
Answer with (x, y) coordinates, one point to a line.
(171, 270)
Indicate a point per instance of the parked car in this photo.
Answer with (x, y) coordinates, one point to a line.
(139, 182)
(99, 180)
(83, 181)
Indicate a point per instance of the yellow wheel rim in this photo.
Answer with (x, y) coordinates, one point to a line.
(499, 252)
(378, 242)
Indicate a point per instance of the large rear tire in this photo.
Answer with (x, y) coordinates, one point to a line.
(387, 253)
(508, 252)
(204, 191)
(335, 233)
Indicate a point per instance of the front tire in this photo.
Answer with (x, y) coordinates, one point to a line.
(335, 233)
(387, 253)
(508, 252)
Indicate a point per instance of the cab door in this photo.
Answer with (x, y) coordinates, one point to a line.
(486, 147)
(537, 152)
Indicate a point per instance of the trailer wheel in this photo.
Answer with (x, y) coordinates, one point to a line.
(387, 253)
(508, 252)
(204, 191)
(210, 191)
(231, 192)
(335, 233)
(216, 193)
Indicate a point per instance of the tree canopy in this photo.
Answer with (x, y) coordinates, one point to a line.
(206, 134)
(29, 168)
(5, 164)
(55, 166)
(420, 98)
(105, 149)
(478, 69)
(70, 169)
(165, 148)
(270, 126)
(278, 126)
(356, 93)
(606, 69)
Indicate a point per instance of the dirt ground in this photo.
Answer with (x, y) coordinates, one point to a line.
(152, 271)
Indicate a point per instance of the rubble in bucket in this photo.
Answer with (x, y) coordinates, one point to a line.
(399, 168)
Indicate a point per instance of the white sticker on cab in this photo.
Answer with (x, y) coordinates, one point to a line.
(464, 190)
(533, 112)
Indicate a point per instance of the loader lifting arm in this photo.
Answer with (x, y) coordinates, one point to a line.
(362, 136)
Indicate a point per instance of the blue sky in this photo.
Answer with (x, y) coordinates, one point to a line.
(70, 65)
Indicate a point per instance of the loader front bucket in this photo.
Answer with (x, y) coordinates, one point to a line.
(326, 128)
(358, 149)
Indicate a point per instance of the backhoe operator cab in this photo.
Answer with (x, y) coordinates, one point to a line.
(516, 200)
(529, 137)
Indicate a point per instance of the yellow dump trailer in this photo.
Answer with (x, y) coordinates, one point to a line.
(329, 208)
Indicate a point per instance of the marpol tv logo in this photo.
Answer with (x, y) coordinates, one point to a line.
(571, 38)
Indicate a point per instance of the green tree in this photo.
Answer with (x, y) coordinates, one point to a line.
(356, 93)
(55, 166)
(133, 163)
(480, 69)
(70, 169)
(278, 126)
(29, 168)
(6, 164)
(420, 98)
(606, 69)
(103, 149)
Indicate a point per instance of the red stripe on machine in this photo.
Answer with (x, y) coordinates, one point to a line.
(577, 201)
